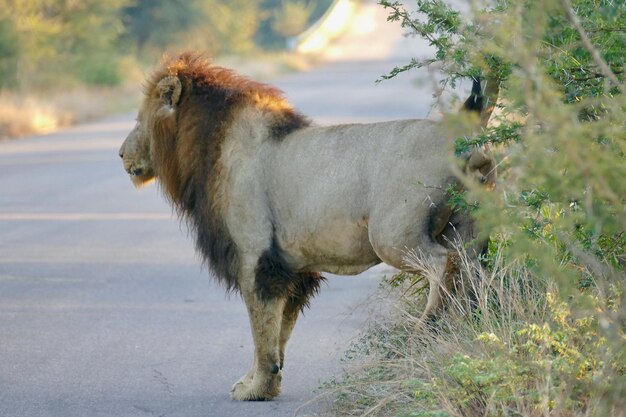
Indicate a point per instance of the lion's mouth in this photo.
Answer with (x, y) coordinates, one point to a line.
(137, 172)
(140, 176)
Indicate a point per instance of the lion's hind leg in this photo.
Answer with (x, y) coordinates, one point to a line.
(437, 265)
(463, 247)
(440, 277)
(429, 258)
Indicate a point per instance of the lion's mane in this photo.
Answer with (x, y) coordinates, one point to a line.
(185, 150)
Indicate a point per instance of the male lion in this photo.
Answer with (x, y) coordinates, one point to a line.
(274, 200)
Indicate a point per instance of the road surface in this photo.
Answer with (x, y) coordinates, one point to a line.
(104, 307)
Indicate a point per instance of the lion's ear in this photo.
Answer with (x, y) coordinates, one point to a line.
(168, 90)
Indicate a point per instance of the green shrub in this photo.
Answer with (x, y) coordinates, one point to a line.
(292, 18)
(540, 328)
(515, 349)
(98, 70)
(9, 52)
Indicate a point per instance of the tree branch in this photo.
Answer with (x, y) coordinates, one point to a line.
(593, 76)
(604, 68)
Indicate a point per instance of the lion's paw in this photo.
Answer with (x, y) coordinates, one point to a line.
(245, 380)
(249, 389)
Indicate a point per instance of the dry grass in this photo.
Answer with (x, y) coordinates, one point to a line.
(23, 114)
(31, 113)
(505, 346)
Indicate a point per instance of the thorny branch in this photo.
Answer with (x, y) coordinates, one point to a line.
(602, 65)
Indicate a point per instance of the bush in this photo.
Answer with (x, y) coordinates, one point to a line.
(544, 330)
(9, 52)
(514, 349)
(57, 43)
(292, 18)
(99, 70)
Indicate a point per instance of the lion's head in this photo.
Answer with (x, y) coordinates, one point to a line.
(189, 105)
(135, 154)
(136, 150)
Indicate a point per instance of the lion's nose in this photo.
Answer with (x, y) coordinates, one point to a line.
(121, 153)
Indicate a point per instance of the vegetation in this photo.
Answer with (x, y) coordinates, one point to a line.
(543, 329)
(50, 47)
(56, 41)
(515, 349)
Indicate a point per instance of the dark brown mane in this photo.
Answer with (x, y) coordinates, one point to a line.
(186, 147)
(207, 79)
(201, 72)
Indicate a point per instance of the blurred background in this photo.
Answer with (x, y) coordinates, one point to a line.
(57, 55)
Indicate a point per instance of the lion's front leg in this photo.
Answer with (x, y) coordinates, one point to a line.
(247, 378)
(290, 316)
(263, 380)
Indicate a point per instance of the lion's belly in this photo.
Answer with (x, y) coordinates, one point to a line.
(338, 246)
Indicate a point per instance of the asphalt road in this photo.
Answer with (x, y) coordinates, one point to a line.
(104, 307)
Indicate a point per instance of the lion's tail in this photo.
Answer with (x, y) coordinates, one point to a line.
(476, 99)
(482, 100)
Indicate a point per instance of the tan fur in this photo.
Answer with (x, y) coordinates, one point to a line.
(273, 201)
(135, 152)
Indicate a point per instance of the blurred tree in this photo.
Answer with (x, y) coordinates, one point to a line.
(59, 40)
(157, 24)
(93, 27)
(281, 19)
(216, 26)
(292, 18)
(9, 52)
(560, 200)
(56, 43)
(227, 27)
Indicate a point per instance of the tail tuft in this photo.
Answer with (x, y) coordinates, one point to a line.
(475, 101)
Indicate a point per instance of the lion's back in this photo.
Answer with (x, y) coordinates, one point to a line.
(325, 183)
(345, 160)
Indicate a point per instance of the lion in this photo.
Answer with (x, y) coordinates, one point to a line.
(274, 200)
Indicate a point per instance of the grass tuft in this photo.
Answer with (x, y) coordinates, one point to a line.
(506, 345)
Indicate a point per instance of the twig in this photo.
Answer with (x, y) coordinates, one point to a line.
(608, 29)
(382, 403)
(406, 20)
(604, 68)
(588, 260)
(593, 76)
(311, 401)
